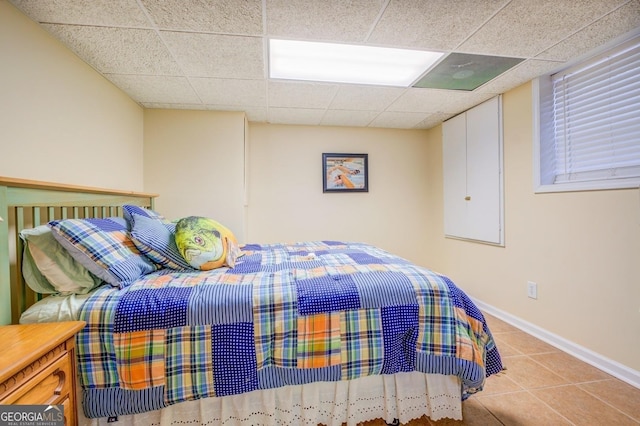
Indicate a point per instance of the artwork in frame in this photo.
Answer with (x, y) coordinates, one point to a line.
(345, 173)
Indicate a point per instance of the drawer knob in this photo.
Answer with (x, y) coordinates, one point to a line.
(467, 198)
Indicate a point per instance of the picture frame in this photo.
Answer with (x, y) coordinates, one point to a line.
(345, 172)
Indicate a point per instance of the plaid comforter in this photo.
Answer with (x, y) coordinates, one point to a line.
(286, 314)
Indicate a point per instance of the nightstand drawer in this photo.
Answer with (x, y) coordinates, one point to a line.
(49, 386)
(69, 415)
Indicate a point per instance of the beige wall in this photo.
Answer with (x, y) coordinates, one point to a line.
(195, 161)
(581, 248)
(61, 121)
(286, 202)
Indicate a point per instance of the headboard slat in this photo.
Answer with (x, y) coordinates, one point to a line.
(20, 224)
(35, 211)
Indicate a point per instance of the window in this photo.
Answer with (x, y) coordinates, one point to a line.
(588, 123)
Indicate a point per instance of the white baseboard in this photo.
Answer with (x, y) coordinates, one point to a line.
(605, 364)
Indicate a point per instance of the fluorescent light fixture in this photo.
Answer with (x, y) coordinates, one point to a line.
(344, 63)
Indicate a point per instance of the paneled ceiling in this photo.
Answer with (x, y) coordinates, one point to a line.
(212, 54)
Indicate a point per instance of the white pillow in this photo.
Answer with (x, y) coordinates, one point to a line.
(49, 268)
(55, 308)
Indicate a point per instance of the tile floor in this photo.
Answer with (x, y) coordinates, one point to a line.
(545, 386)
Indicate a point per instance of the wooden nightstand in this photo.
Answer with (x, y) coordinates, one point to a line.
(38, 365)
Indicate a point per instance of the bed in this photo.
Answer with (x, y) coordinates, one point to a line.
(316, 332)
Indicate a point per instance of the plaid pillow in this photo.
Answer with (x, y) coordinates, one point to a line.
(155, 239)
(103, 247)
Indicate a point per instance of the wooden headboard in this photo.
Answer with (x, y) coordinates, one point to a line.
(27, 204)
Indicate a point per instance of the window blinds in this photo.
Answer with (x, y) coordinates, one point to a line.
(597, 117)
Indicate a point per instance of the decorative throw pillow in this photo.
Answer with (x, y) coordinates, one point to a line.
(103, 246)
(128, 210)
(206, 244)
(49, 268)
(155, 239)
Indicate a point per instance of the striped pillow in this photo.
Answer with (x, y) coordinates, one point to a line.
(103, 247)
(155, 239)
(128, 210)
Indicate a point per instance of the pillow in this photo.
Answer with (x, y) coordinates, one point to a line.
(103, 246)
(55, 308)
(205, 244)
(128, 210)
(33, 277)
(49, 268)
(155, 239)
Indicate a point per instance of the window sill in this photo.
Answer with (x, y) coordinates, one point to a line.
(632, 183)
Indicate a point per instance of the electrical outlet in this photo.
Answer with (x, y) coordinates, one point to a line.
(532, 290)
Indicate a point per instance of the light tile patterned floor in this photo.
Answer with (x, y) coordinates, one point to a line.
(544, 386)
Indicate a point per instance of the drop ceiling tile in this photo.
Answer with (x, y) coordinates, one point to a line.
(434, 100)
(117, 50)
(221, 16)
(328, 20)
(118, 13)
(520, 74)
(212, 55)
(525, 28)
(254, 114)
(300, 95)
(459, 105)
(164, 105)
(215, 91)
(433, 24)
(433, 120)
(422, 100)
(438, 101)
(348, 118)
(365, 98)
(398, 120)
(148, 88)
(311, 117)
(620, 21)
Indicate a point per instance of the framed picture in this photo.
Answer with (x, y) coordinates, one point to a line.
(345, 173)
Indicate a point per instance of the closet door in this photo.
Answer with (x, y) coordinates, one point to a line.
(484, 172)
(454, 157)
(473, 189)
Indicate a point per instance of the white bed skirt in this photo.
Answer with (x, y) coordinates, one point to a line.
(403, 396)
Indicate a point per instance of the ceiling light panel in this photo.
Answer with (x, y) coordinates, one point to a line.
(343, 63)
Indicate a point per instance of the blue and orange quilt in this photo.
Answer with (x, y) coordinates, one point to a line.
(286, 314)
